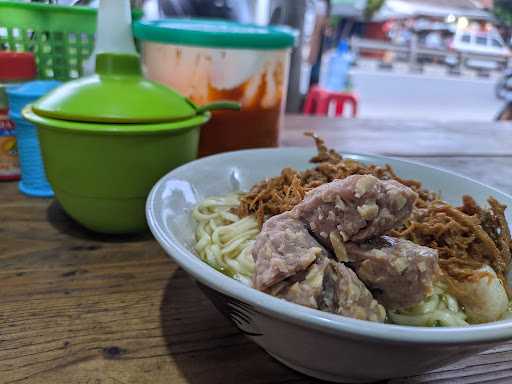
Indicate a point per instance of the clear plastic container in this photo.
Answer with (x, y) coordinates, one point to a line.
(209, 61)
(334, 75)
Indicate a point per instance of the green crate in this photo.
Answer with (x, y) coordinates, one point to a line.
(60, 37)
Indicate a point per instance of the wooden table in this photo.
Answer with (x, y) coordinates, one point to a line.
(77, 307)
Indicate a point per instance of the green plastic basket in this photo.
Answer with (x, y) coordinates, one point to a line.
(60, 37)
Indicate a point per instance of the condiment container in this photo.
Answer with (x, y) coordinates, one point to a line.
(209, 60)
(15, 68)
(33, 178)
(106, 139)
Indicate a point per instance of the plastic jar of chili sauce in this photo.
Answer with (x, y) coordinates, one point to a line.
(15, 68)
(213, 60)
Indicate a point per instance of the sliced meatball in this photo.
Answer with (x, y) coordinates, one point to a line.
(343, 293)
(399, 272)
(304, 288)
(331, 287)
(355, 208)
(282, 249)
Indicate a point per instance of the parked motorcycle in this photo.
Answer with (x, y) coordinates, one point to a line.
(504, 92)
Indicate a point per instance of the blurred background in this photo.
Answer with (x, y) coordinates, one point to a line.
(402, 59)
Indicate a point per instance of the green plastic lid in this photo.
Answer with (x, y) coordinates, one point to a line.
(117, 93)
(215, 33)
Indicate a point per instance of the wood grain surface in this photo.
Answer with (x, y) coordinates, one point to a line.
(404, 138)
(77, 307)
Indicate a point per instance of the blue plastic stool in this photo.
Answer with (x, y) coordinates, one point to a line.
(33, 177)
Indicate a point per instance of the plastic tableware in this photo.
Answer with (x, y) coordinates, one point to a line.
(102, 170)
(61, 37)
(209, 60)
(33, 177)
(324, 345)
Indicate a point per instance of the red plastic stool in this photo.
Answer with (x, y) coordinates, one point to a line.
(319, 99)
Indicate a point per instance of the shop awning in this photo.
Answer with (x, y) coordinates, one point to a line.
(403, 8)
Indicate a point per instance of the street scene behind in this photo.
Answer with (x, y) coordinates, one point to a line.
(441, 60)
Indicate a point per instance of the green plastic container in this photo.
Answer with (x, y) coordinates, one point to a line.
(60, 37)
(102, 179)
(106, 139)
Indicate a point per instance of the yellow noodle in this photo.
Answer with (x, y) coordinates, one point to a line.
(223, 239)
(440, 309)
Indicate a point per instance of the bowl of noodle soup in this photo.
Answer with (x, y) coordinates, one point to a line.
(192, 212)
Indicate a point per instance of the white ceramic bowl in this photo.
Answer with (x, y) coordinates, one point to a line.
(316, 343)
